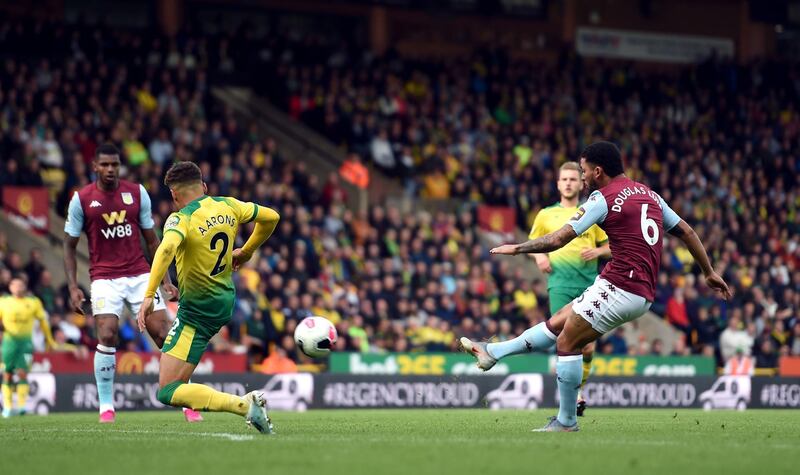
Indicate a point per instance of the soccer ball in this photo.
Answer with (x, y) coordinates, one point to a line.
(315, 336)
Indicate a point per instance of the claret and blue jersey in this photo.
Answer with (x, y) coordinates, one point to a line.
(635, 218)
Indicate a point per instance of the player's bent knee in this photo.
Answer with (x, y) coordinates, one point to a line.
(107, 339)
(107, 329)
(566, 345)
(557, 321)
(165, 393)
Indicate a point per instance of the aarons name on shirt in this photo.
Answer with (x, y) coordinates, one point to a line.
(218, 220)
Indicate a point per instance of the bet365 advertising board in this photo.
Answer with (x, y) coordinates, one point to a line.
(438, 364)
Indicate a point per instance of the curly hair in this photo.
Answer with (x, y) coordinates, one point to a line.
(605, 155)
(183, 173)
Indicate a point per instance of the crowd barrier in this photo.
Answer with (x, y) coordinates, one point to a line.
(302, 391)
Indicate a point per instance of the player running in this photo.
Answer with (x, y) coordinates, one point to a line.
(113, 213)
(571, 269)
(635, 219)
(201, 236)
(17, 313)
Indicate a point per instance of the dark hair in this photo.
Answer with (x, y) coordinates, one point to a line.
(183, 173)
(106, 149)
(605, 155)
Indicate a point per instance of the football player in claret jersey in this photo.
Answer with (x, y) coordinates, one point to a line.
(114, 213)
(573, 268)
(635, 218)
(18, 311)
(201, 236)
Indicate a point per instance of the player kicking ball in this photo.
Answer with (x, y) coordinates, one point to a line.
(635, 218)
(113, 213)
(571, 269)
(200, 236)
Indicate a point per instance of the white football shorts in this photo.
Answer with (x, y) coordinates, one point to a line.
(109, 296)
(605, 306)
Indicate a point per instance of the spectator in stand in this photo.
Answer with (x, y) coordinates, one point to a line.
(734, 338)
(46, 292)
(679, 347)
(278, 362)
(616, 340)
(354, 172)
(766, 356)
(34, 268)
(657, 347)
(794, 347)
(741, 364)
(676, 312)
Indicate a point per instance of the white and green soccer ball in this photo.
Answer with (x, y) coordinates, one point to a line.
(315, 336)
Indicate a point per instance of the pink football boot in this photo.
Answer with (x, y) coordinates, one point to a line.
(192, 415)
(107, 417)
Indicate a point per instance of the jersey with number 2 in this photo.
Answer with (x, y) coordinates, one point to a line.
(635, 219)
(207, 227)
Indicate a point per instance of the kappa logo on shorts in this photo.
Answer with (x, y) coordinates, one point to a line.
(604, 295)
(589, 313)
(596, 304)
(612, 288)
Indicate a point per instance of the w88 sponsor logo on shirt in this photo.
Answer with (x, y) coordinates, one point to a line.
(117, 225)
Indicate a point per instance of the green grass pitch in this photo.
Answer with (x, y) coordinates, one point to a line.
(411, 442)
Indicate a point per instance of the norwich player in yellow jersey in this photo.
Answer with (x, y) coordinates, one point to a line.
(200, 236)
(18, 312)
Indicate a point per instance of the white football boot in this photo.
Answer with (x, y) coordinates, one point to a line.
(478, 350)
(257, 413)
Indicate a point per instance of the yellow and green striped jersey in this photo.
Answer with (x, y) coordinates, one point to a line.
(19, 313)
(207, 227)
(569, 269)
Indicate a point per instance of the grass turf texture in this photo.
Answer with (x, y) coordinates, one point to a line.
(405, 442)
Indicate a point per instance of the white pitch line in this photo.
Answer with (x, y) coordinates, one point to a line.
(220, 435)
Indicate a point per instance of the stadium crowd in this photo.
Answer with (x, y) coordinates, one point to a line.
(717, 142)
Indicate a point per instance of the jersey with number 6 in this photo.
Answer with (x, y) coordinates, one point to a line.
(635, 219)
(208, 227)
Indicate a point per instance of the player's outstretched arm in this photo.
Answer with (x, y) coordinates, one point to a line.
(163, 258)
(547, 243)
(266, 220)
(685, 233)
